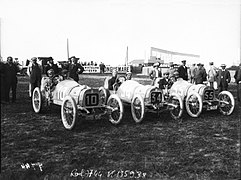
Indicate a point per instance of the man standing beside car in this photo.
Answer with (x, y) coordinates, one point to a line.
(155, 72)
(212, 73)
(35, 75)
(237, 78)
(182, 70)
(223, 79)
(51, 65)
(75, 69)
(11, 70)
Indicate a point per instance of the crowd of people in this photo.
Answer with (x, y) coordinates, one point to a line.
(9, 71)
(218, 78)
(9, 80)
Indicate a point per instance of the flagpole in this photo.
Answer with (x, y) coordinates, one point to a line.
(126, 56)
(68, 48)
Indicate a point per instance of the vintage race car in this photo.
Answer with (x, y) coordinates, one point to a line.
(77, 102)
(199, 97)
(142, 98)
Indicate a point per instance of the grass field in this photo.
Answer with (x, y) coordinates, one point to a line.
(207, 147)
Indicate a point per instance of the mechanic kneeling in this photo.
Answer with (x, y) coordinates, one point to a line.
(48, 83)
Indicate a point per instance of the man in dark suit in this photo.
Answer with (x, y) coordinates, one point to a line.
(114, 80)
(51, 65)
(35, 75)
(237, 77)
(223, 78)
(200, 74)
(165, 81)
(2, 75)
(75, 69)
(11, 70)
(155, 72)
(182, 70)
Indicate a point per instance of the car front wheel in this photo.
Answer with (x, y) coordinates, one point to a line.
(69, 112)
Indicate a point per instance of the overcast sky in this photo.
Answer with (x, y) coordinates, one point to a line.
(100, 30)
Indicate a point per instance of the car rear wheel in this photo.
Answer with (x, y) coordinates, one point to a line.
(226, 102)
(116, 106)
(137, 108)
(37, 100)
(69, 112)
(194, 104)
(176, 107)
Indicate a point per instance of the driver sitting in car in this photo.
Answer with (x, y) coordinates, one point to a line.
(165, 83)
(113, 82)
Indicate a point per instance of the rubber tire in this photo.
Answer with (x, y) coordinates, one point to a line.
(106, 93)
(38, 109)
(63, 115)
(200, 102)
(178, 97)
(121, 109)
(232, 103)
(136, 119)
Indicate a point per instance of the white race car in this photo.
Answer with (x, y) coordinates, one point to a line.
(77, 102)
(199, 97)
(142, 98)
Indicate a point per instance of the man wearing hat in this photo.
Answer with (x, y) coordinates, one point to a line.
(75, 69)
(237, 77)
(128, 75)
(10, 73)
(155, 72)
(192, 72)
(113, 80)
(212, 73)
(223, 78)
(51, 65)
(34, 72)
(171, 70)
(182, 70)
(165, 81)
(200, 74)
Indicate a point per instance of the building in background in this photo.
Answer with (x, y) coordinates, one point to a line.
(165, 56)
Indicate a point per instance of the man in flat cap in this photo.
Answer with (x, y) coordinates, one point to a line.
(237, 77)
(75, 69)
(212, 73)
(171, 70)
(182, 70)
(35, 75)
(223, 78)
(165, 82)
(192, 72)
(200, 74)
(155, 72)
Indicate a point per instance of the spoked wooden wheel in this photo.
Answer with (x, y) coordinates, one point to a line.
(104, 95)
(37, 101)
(69, 112)
(175, 106)
(137, 108)
(194, 104)
(116, 109)
(226, 102)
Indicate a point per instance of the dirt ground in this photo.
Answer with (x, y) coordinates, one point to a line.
(37, 146)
